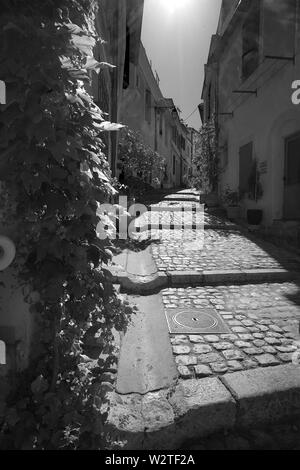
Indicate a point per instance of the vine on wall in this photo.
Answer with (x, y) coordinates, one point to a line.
(206, 158)
(139, 158)
(54, 174)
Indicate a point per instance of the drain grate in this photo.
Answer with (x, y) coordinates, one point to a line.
(195, 321)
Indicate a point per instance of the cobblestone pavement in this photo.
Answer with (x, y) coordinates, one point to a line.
(221, 250)
(263, 319)
(175, 213)
(224, 247)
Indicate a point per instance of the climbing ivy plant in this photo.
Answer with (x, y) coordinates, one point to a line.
(54, 174)
(206, 158)
(139, 158)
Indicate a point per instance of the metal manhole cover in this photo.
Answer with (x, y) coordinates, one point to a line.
(195, 321)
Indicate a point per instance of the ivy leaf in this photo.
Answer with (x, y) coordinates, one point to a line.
(84, 44)
(101, 175)
(79, 74)
(109, 126)
(93, 64)
(93, 255)
(74, 29)
(74, 99)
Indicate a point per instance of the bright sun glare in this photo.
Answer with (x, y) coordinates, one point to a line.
(173, 5)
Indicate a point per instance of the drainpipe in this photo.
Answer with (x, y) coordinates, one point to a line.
(217, 115)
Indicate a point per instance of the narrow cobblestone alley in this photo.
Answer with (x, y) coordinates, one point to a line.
(255, 325)
(263, 317)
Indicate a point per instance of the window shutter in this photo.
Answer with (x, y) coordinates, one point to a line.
(279, 27)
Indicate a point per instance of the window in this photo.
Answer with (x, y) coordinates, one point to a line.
(182, 142)
(127, 61)
(209, 103)
(292, 162)
(246, 166)
(161, 118)
(250, 38)
(148, 106)
(176, 137)
(166, 134)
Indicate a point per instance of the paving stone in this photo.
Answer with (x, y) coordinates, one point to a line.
(265, 322)
(286, 349)
(285, 357)
(186, 360)
(273, 334)
(285, 341)
(202, 371)
(239, 329)
(178, 350)
(243, 344)
(212, 338)
(259, 343)
(248, 323)
(185, 372)
(219, 367)
(235, 323)
(229, 337)
(233, 355)
(269, 349)
(201, 349)
(246, 337)
(273, 341)
(253, 351)
(196, 339)
(253, 329)
(209, 358)
(267, 360)
(222, 346)
(179, 339)
(258, 335)
(249, 363)
(275, 328)
(235, 365)
(262, 328)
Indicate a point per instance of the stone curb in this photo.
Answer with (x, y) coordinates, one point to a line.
(199, 408)
(153, 283)
(145, 228)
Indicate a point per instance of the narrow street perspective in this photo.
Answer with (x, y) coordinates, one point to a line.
(215, 343)
(149, 227)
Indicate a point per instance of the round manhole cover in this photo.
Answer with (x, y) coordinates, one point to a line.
(195, 320)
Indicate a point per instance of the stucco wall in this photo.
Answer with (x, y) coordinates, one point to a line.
(266, 120)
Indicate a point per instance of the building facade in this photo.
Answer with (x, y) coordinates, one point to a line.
(253, 63)
(145, 110)
(119, 24)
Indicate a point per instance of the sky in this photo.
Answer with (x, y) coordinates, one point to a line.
(176, 35)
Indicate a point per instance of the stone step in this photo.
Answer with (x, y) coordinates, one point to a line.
(193, 409)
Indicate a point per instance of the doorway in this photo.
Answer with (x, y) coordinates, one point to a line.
(292, 178)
